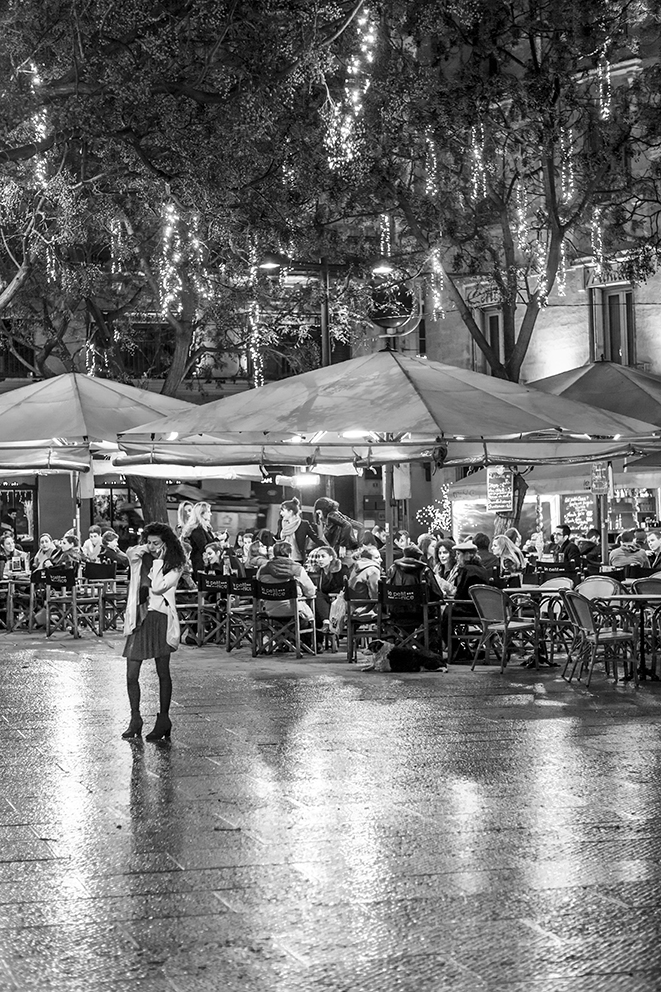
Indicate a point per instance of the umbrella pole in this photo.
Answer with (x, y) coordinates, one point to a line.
(603, 513)
(390, 516)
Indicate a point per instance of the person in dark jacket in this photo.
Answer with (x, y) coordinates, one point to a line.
(590, 547)
(487, 557)
(410, 570)
(110, 551)
(296, 531)
(280, 568)
(329, 576)
(565, 550)
(470, 572)
(334, 527)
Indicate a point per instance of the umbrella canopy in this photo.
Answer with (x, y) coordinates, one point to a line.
(79, 408)
(618, 388)
(390, 393)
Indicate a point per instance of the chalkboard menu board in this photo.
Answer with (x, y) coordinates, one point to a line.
(578, 512)
(500, 489)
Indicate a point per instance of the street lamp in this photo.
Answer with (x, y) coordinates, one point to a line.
(323, 270)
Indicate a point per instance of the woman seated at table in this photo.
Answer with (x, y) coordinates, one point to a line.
(512, 560)
(219, 557)
(329, 575)
(257, 555)
(445, 559)
(47, 548)
(469, 572)
(17, 562)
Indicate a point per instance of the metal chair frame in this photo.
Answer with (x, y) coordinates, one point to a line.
(498, 620)
(592, 634)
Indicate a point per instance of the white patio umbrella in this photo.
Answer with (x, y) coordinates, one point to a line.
(393, 398)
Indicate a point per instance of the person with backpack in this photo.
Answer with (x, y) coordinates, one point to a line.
(339, 531)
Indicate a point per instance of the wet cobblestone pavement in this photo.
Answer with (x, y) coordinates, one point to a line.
(311, 827)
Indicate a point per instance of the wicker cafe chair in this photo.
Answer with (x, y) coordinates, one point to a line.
(555, 627)
(271, 633)
(652, 611)
(499, 622)
(591, 636)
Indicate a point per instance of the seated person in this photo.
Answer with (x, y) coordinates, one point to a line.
(219, 557)
(470, 572)
(257, 554)
(111, 552)
(47, 548)
(412, 569)
(627, 552)
(68, 554)
(487, 557)
(16, 562)
(280, 568)
(93, 545)
(365, 576)
(511, 559)
(564, 549)
(330, 574)
(590, 547)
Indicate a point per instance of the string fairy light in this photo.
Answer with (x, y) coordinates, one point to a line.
(438, 285)
(566, 167)
(605, 88)
(116, 245)
(341, 118)
(171, 259)
(561, 279)
(597, 240)
(431, 170)
(254, 344)
(478, 170)
(385, 238)
(437, 516)
(521, 215)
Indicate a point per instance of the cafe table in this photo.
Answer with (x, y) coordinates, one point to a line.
(641, 600)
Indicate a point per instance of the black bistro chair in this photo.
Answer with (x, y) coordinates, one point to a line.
(290, 631)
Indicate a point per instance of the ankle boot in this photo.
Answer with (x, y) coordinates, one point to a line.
(134, 727)
(162, 728)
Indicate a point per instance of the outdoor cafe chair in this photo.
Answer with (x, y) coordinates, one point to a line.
(61, 601)
(592, 636)
(239, 622)
(362, 620)
(212, 595)
(651, 619)
(291, 630)
(555, 627)
(499, 622)
(408, 614)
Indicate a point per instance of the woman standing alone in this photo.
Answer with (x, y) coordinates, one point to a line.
(151, 623)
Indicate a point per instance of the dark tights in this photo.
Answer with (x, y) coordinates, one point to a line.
(164, 683)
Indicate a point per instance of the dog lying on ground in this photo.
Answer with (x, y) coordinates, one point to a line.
(381, 656)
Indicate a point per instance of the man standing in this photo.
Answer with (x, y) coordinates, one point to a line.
(566, 551)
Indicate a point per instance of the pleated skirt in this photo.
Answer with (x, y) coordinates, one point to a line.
(149, 639)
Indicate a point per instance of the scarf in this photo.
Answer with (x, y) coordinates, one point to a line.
(144, 587)
(288, 529)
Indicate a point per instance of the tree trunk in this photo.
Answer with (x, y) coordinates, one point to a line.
(151, 493)
(504, 521)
